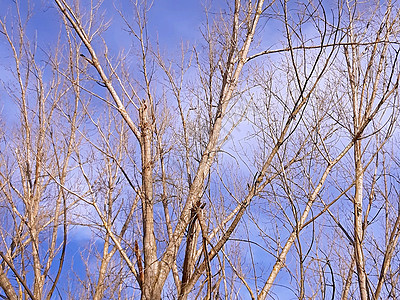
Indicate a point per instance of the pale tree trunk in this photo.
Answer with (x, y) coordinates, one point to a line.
(357, 107)
(358, 222)
(149, 241)
(347, 283)
(106, 257)
(363, 89)
(7, 287)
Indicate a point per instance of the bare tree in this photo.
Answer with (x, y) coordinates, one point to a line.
(35, 167)
(260, 154)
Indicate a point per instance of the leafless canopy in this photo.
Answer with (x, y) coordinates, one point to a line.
(258, 162)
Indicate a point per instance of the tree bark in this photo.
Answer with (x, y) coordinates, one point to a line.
(7, 287)
(358, 222)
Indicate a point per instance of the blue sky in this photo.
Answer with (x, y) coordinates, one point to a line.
(171, 23)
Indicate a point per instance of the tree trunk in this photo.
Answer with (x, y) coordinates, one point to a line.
(7, 287)
(358, 224)
(149, 241)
